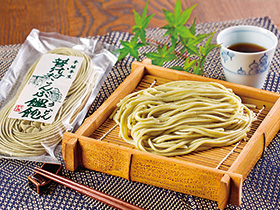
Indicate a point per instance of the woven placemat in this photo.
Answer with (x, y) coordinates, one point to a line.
(261, 189)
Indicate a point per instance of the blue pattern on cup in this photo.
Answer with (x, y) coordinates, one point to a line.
(227, 55)
(241, 71)
(255, 67)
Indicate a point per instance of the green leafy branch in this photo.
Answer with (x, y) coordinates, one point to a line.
(178, 34)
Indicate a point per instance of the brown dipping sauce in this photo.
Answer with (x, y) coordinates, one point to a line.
(246, 47)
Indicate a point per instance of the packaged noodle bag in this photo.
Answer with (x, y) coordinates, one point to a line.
(48, 90)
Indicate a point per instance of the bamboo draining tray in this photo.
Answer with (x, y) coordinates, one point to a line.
(207, 174)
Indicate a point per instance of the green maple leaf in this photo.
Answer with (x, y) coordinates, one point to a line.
(176, 29)
(176, 23)
(208, 46)
(163, 54)
(130, 48)
(194, 47)
(190, 44)
(190, 64)
(141, 23)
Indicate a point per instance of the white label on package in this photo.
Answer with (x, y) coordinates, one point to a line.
(47, 88)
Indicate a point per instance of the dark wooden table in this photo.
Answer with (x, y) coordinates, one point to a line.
(97, 17)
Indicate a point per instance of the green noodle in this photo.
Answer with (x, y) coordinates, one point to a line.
(25, 138)
(179, 117)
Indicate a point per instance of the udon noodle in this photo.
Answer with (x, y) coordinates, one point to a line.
(27, 138)
(179, 117)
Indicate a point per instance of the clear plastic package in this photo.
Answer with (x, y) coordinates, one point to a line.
(26, 139)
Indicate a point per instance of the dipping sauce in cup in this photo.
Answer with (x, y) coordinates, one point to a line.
(246, 53)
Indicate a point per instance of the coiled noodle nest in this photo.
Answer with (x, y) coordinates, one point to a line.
(26, 138)
(179, 117)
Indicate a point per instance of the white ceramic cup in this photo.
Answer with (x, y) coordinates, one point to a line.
(246, 68)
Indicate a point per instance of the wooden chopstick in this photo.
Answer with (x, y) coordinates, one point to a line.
(95, 194)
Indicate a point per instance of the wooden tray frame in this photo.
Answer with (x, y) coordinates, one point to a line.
(80, 149)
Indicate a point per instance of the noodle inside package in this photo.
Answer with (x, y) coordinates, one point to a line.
(179, 117)
(48, 90)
